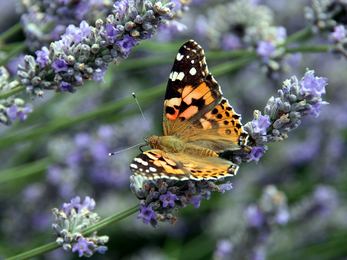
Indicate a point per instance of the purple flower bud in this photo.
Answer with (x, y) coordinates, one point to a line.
(22, 112)
(312, 85)
(147, 214)
(126, 44)
(255, 154)
(231, 42)
(12, 112)
(339, 33)
(99, 74)
(42, 56)
(68, 206)
(168, 199)
(225, 186)
(316, 108)
(64, 86)
(265, 49)
(82, 246)
(87, 204)
(254, 216)
(111, 32)
(196, 201)
(59, 65)
(223, 249)
(261, 124)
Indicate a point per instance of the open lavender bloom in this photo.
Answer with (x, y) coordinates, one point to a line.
(11, 108)
(69, 224)
(84, 52)
(159, 198)
(283, 114)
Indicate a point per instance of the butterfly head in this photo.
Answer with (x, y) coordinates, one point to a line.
(152, 141)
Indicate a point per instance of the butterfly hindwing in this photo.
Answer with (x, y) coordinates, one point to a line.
(219, 129)
(156, 164)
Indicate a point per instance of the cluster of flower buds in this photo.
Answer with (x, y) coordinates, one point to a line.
(160, 197)
(69, 224)
(11, 107)
(84, 52)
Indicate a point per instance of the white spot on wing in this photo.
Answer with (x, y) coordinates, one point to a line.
(192, 71)
(144, 163)
(174, 75)
(192, 61)
(133, 165)
(179, 56)
(152, 169)
(180, 76)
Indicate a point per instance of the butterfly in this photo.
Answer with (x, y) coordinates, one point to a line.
(198, 123)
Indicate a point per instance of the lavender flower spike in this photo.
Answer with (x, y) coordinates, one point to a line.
(160, 198)
(11, 108)
(283, 114)
(84, 52)
(71, 221)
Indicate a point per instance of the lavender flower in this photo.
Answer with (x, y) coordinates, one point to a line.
(156, 195)
(339, 33)
(196, 200)
(327, 17)
(261, 124)
(283, 114)
(69, 224)
(83, 247)
(265, 49)
(84, 52)
(38, 17)
(223, 249)
(146, 214)
(243, 24)
(255, 217)
(168, 199)
(256, 154)
(249, 23)
(11, 108)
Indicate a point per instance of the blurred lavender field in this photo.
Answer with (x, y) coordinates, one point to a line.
(289, 205)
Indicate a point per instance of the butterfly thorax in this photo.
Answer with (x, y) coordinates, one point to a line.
(172, 144)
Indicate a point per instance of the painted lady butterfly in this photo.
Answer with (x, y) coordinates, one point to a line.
(198, 124)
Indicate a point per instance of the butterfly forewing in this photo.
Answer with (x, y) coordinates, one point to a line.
(191, 91)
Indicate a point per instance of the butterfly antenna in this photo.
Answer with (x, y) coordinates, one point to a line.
(140, 144)
(137, 102)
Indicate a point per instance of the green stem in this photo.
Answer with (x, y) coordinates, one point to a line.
(299, 35)
(110, 220)
(52, 246)
(10, 32)
(15, 51)
(36, 252)
(24, 170)
(229, 66)
(12, 92)
(315, 48)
